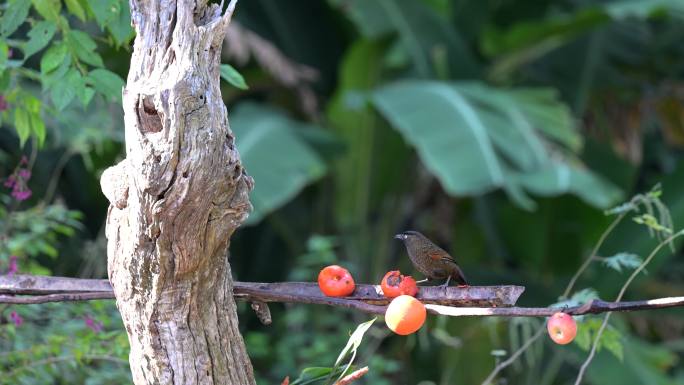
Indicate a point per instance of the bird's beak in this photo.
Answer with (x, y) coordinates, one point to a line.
(400, 236)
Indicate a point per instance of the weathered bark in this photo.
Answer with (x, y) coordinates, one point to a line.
(175, 201)
(295, 292)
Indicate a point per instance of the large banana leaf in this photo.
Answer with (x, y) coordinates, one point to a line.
(428, 39)
(280, 161)
(477, 138)
(527, 41)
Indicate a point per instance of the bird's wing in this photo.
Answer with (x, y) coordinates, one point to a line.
(441, 256)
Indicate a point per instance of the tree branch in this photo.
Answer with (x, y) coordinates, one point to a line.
(451, 301)
(305, 292)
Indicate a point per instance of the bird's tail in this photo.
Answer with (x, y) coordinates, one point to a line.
(458, 276)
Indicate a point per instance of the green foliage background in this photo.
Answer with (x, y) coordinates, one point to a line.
(501, 129)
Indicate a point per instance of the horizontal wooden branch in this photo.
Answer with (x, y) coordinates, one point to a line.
(303, 292)
(451, 301)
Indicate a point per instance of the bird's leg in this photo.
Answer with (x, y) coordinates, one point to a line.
(446, 284)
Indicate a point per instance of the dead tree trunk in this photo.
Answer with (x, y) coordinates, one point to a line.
(175, 201)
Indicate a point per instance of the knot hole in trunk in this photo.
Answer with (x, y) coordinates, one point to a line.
(150, 121)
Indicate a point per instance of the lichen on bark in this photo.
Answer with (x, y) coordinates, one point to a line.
(175, 200)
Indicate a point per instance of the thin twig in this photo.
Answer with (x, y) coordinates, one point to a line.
(592, 256)
(513, 357)
(56, 173)
(591, 307)
(636, 272)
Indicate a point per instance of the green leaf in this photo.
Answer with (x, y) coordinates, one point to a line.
(48, 249)
(643, 9)
(121, 29)
(527, 41)
(354, 340)
(447, 131)
(476, 138)
(315, 374)
(53, 57)
(38, 128)
(50, 79)
(351, 347)
(549, 115)
(76, 9)
(83, 47)
(32, 104)
(421, 31)
(527, 111)
(280, 162)
(652, 223)
(4, 56)
(14, 16)
(105, 11)
(611, 338)
(644, 363)
(583, 337)
(107, 83)
(33, 107)
(233, 77)
(65, 89)
(22, 124)
(560, 178)
(620, 260)
(85, 95)
(39, 36)
(528, 34)
(4, 76)
(49, 9)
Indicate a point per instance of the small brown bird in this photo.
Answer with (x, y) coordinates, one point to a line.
(431, 259)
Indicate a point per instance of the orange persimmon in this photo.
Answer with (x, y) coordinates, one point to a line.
(405, 315)
(336, 281)
(394, 284)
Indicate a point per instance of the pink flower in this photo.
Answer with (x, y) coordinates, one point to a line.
(10, 182)
(92, 324)
(13, 266)
(20, 194)
(16, 318)
(18, 181)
